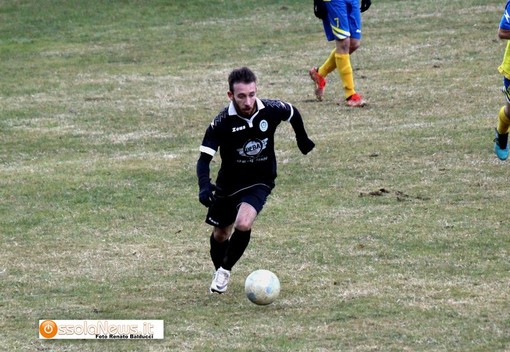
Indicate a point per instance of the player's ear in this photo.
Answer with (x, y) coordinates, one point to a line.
(230, 95)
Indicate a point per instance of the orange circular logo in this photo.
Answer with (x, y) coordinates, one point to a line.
(48, 329)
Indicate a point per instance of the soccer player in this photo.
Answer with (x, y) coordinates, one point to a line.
(243, 132)
(501, 140)
(342, 23)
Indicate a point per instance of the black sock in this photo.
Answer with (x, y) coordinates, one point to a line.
(236, 246)
(502, 140)
(218, 250)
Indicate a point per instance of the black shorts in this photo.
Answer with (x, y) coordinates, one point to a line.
(223, 211)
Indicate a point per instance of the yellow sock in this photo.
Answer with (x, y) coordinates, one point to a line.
(503, 122)
(343, 64)
(328, 66)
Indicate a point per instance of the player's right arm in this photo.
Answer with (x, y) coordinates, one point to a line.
(207, 150)
(206, 188)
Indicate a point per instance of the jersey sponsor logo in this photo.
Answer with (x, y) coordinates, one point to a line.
(237, 129)
(263, 125)
(252, 148)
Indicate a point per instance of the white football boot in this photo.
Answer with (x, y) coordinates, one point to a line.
(220, 281)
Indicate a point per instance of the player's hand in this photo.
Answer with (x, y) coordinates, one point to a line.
(365, 4)
(305, 145)
(206, 194)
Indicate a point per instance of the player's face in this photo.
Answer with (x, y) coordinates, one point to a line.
(244, 98)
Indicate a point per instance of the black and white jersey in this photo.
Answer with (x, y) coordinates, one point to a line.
(246, 145)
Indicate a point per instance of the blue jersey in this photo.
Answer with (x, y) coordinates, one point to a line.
(504, 68)
(505, 19)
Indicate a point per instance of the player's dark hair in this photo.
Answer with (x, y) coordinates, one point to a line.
(241, 75)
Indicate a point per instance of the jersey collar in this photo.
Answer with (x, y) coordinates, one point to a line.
(233, 112)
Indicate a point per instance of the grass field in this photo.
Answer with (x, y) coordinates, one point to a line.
(392, 235)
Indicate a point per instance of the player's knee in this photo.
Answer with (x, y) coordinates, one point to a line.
(243, 225)
(506, 110)
(354, 45)
(343, 46)
(221, 234)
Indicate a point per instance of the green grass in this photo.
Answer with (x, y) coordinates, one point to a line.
(392, 235)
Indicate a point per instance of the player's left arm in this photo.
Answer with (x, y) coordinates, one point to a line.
(504, 25)
(504, 33)
(304, 143)
(365, 4)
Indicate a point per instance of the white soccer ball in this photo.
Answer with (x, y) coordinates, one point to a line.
(262, 287)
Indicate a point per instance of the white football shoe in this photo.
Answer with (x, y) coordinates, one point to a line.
(219, 283)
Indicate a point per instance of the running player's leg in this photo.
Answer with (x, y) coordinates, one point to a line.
(345, 21)
(219, 244)
(343, 65)
(318, 74)
(251, 204)
(221, 215)
(501, 139)
(228, 252)
(240, 237)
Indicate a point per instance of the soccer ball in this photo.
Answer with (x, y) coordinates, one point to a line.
(262, 287)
